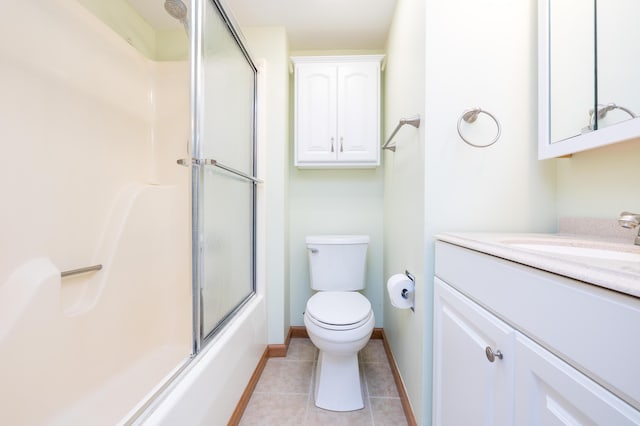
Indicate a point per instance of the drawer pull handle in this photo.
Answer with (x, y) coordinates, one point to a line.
(491, 355)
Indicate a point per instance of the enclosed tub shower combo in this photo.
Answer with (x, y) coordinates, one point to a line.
(129, 205)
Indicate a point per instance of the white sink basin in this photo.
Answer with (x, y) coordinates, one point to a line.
(597, 253)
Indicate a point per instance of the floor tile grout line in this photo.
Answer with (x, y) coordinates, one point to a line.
(366, 385)
(307, 407)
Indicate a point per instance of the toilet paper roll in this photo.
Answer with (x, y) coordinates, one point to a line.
(401, 290)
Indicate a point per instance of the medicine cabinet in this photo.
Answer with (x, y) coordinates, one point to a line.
(589, 62)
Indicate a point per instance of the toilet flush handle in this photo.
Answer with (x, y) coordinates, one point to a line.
(312, 250)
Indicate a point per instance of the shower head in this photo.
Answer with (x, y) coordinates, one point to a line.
(177, 9)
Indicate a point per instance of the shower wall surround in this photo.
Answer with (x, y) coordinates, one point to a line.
(89, 181)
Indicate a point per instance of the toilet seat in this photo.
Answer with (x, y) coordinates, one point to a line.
(338, 310)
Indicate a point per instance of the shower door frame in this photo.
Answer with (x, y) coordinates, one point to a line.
(198, 12)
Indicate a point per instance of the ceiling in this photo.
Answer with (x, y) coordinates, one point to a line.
(321, 24)
(310, 24)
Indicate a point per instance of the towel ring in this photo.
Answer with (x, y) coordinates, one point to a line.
(470, 116)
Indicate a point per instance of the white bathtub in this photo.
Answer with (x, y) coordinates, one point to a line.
(207, 392)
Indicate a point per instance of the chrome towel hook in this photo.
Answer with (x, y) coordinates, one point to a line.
(470, 116)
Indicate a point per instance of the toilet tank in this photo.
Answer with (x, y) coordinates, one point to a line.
(337, 262)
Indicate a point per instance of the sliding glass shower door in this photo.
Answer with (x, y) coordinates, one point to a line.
(223, 175)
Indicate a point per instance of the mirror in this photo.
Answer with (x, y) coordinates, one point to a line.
(618, 53)
(589, 92)
(572, 86)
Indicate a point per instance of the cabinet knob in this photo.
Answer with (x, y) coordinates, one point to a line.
(332, 144)
(341, 138)
(491, 355)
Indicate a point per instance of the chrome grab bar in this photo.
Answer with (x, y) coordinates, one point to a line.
(212, 162)
(80, 270)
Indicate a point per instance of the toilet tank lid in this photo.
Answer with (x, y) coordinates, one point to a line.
(337, 239)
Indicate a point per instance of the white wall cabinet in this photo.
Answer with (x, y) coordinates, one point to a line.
(559, 365)
(337, 111)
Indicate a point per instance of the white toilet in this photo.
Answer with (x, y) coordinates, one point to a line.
(338, 319)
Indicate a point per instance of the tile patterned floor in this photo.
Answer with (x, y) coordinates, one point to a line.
(284, 393)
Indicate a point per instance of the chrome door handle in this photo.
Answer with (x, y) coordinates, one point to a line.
(491, 355)
(211, 162)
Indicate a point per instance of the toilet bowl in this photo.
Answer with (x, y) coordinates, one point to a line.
(339, 320)
(339, 324)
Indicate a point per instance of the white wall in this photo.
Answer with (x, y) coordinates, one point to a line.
(270, 44)
(600, 182)
(482, 54)
(404, 194)
(475, 54)
(334, 201)
(503, 187)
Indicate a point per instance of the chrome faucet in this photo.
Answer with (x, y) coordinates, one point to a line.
(630, 220)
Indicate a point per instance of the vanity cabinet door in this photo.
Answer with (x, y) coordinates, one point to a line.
(551, 392)
(469, 389)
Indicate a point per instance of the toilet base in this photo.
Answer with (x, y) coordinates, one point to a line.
(337, 382)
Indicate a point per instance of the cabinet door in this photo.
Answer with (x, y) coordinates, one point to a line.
(468, 389)
(316, 115)
(551, 392)
(358, 112)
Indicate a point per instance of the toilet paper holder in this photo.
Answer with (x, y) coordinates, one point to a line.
(406, 293)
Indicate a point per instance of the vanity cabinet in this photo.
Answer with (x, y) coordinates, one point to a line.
(515, 345)
(337, 111)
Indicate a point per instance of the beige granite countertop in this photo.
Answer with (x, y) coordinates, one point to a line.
(619, 275)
